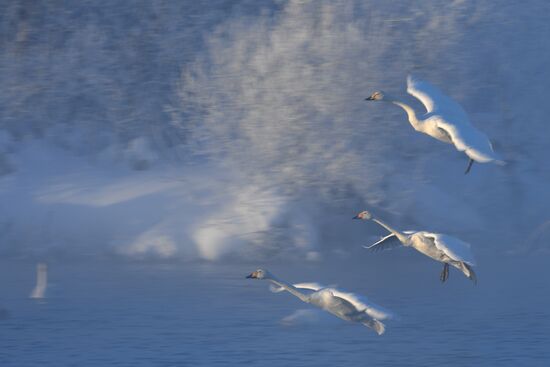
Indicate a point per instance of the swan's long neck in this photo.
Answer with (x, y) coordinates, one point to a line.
(403, 238)
(290, 288)
(415, 122)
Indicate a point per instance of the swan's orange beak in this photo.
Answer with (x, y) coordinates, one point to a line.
(252, 275)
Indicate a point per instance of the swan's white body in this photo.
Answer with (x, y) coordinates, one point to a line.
(347, 306)
(445, 120)
(440, 247)
(39, 290)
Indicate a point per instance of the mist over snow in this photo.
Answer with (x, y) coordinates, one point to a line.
(238, 130)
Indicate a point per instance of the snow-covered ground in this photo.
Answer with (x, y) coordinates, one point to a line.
(239, 130)
(57, 204)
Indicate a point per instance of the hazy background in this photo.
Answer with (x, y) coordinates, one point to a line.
(239, 127)
(232, 134)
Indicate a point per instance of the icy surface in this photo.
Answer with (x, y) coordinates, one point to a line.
(209, 314)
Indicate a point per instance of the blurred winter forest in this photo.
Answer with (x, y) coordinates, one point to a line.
(238, 129)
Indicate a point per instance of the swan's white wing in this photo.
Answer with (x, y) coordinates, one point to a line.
(467, 138)
(385, 243)
(432, 98)
(310, 286)
(363, 304)
(453, 247)
(451, 117)
(388, 242)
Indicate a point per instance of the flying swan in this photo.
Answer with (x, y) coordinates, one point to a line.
(347, 306)
(444, 120)
(440, 247)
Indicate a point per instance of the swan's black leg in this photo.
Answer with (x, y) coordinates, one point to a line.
(445, 273)
(469, 166)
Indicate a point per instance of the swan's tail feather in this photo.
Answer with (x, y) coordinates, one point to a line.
(470, 273)
(467, 270)
(376, 325)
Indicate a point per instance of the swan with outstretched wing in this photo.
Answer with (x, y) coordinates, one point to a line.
(444, 120)
(345, 305)
(440, 247)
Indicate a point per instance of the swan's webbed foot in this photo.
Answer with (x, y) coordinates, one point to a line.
(469, 166)
(445, 273)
